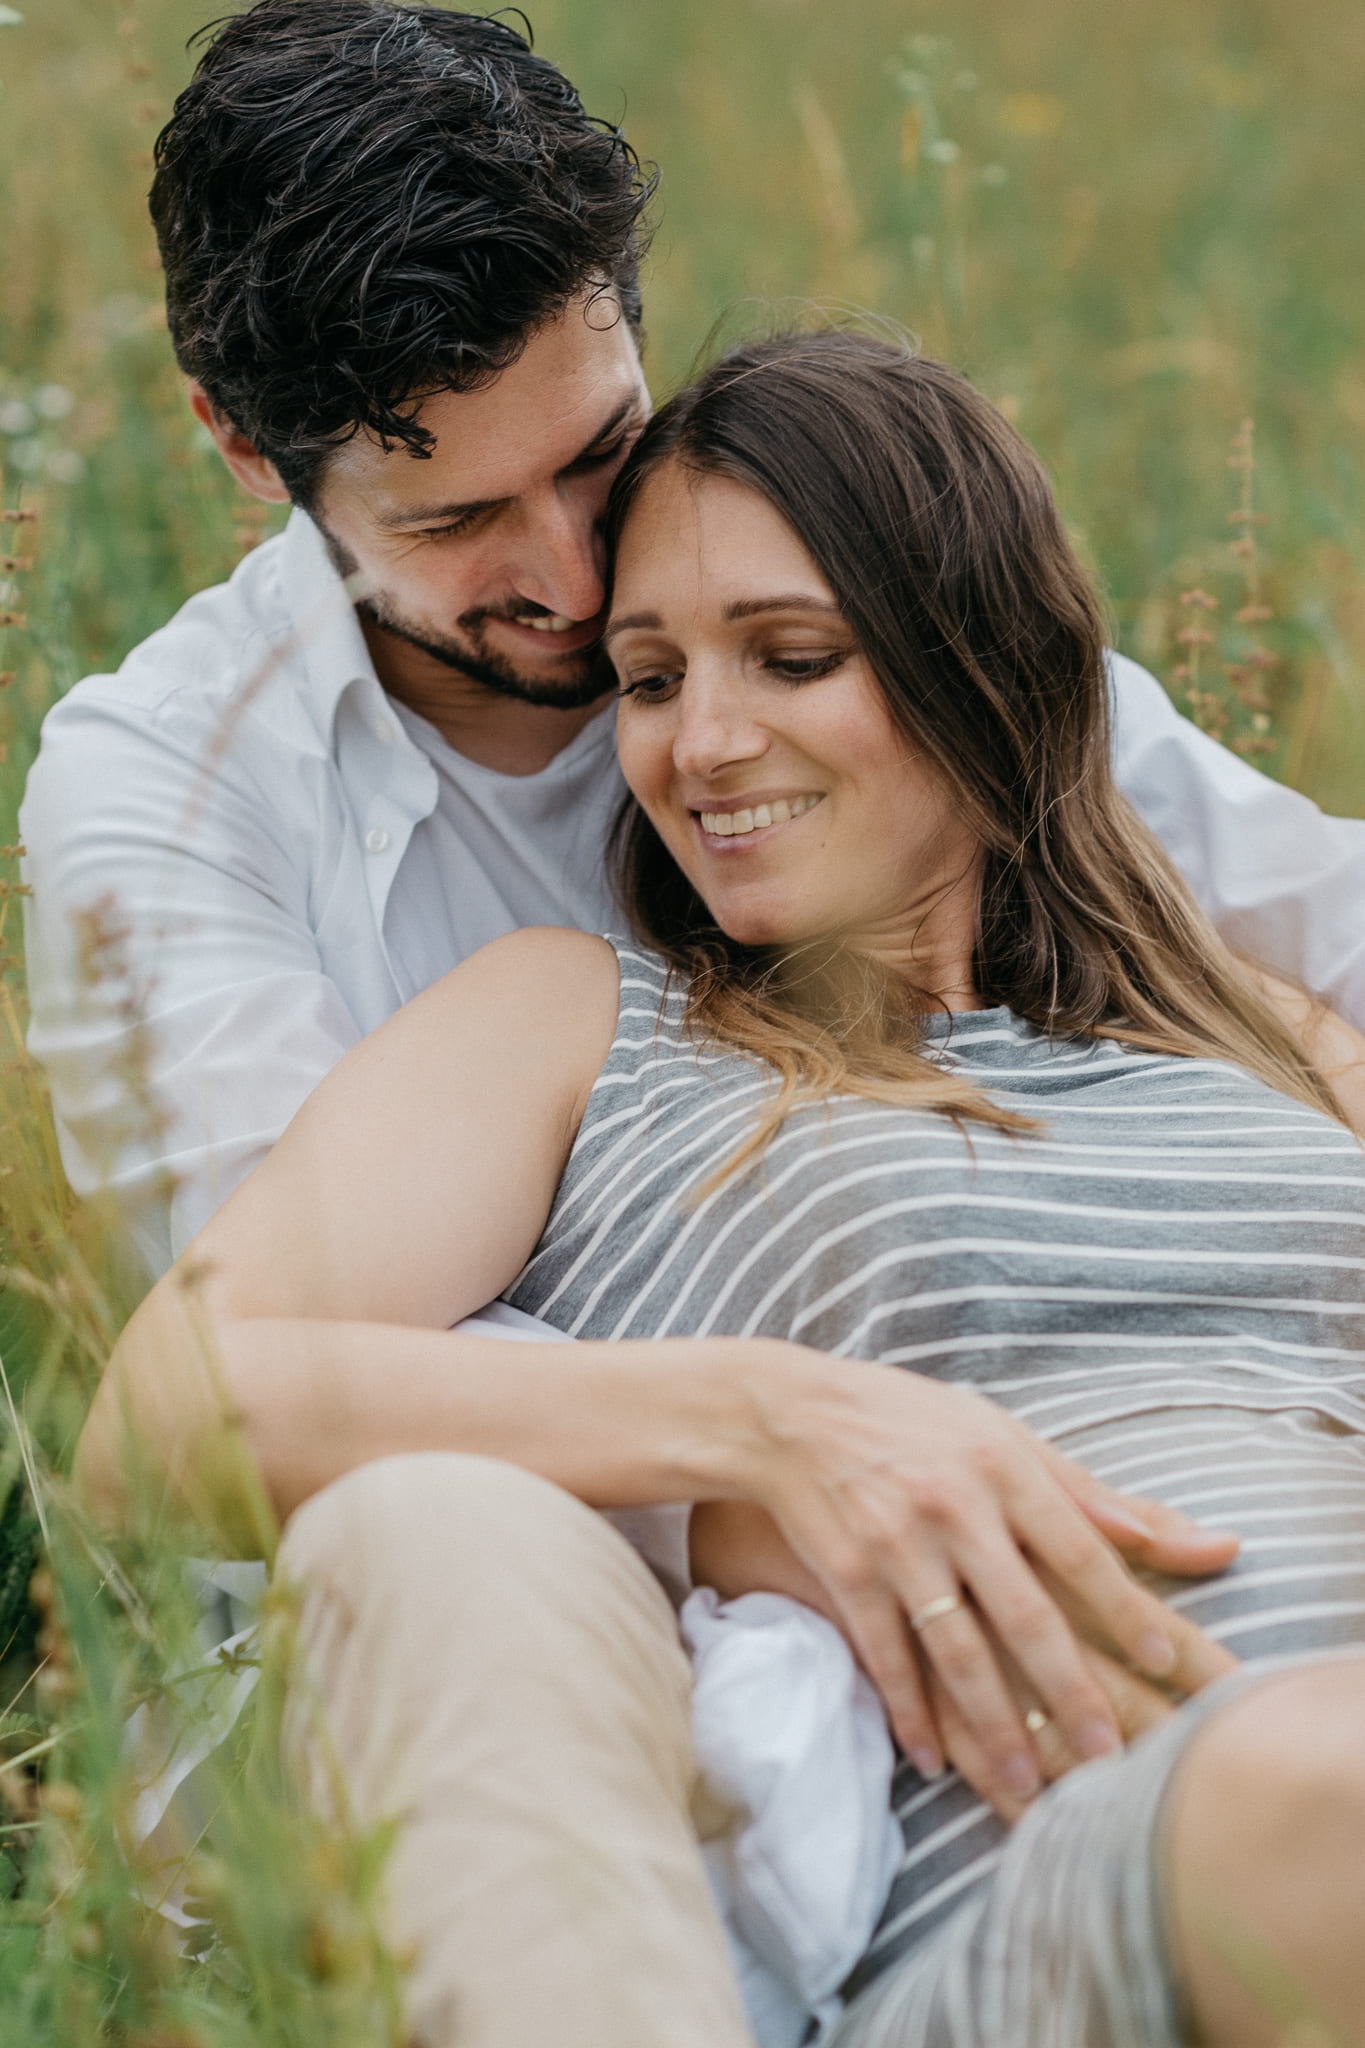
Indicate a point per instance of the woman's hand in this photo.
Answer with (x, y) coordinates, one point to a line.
(900, 1495)
(1137, 1704)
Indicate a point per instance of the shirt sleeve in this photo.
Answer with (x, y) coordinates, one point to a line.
(178, 1002)
(1283, 882)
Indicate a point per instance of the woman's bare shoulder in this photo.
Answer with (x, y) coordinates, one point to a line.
(536, 1010)
(542, 978)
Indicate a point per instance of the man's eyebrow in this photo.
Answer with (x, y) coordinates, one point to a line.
(446, 515)
(742, 608)
(629, 404)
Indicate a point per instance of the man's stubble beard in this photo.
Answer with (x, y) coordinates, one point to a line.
(588, 680)
(591, 682)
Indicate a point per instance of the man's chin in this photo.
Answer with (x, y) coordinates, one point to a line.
(575, 681)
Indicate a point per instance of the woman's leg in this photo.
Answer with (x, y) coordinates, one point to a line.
(496, 1669)
(1169, 1895)
(1265, 1845)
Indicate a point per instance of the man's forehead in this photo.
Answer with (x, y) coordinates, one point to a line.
(577, 379)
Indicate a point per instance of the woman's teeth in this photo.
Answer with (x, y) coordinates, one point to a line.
(734, 824)
(555, 623)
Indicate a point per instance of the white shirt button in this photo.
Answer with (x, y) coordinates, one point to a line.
(376, 839)
(384, 731)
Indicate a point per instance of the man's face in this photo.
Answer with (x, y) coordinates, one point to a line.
(488, 558)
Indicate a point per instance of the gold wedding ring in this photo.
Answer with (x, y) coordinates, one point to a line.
(1035, 1720)
(947, 1603)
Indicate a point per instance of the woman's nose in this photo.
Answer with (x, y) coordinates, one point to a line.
(713, 727)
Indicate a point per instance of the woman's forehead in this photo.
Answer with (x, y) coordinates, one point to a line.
(697, 538)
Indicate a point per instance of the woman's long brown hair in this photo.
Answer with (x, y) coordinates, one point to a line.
(935, 527)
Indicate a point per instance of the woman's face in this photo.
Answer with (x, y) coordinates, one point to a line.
(759, 745)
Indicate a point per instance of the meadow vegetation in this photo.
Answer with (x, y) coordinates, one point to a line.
(1135, 227)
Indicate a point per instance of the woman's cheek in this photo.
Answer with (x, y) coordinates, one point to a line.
(644, 758)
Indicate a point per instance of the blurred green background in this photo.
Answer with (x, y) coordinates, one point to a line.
(1135, 226)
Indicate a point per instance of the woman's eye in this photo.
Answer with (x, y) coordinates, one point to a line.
(805, 668)
(651, 688)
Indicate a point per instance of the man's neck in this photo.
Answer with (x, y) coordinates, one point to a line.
(496, 732)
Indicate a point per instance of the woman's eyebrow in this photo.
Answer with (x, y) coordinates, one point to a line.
(742, 608)
(649, 621)
(793, 601)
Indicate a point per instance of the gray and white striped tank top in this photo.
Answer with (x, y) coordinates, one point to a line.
(1168, 1280)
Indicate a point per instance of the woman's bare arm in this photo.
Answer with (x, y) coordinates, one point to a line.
(408, 1191)
(307, 1331)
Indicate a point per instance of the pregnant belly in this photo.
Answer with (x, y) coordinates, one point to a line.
(1290, 1480)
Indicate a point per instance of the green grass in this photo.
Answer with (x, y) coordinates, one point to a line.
(1135, 226)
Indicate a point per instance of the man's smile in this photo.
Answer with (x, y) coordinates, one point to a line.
(551, 634)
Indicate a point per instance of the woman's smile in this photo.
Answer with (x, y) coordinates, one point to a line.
(752, 818)
(759, 743)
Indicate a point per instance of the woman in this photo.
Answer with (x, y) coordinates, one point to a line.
(925, 1060)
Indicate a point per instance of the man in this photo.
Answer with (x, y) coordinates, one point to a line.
(402, 281)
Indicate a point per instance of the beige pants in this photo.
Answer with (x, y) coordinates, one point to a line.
(499, 1673)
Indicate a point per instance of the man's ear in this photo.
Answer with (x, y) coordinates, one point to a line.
(251, 469)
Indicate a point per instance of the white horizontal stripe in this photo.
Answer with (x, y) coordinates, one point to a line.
(1117, 1297)
(1235, 1585)
(929, 1902)
(1066, 1416)
(1312, 1510)
(1224, 1631)
(942, 1836)
(1009, 1340)
(1317, 1480)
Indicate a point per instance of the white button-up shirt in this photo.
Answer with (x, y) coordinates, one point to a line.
(244, 856)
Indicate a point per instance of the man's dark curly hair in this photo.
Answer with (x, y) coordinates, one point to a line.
(360, 204)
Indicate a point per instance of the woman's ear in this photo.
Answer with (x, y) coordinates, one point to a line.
(251, 469)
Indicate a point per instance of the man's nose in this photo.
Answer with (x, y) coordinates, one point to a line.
(561, 558)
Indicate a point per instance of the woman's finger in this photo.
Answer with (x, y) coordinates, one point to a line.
(876, 1627)
(1036, 1636)
(1199, 1660)
(953, 1642)
(1137, 1704)
(1146, 1531)
(1120, 1612)
(966, 1755)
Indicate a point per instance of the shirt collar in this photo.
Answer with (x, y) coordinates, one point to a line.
(331, 647)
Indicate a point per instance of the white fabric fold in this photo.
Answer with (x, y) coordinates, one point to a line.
(788, 1730)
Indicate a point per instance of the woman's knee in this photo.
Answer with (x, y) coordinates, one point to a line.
(1265, 1863)
(1289, 1752)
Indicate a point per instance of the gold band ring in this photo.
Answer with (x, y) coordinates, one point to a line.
(1035, 1720)
(947, 1603)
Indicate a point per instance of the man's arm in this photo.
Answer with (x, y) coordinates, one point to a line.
(179, 1005)
(1283, 883)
